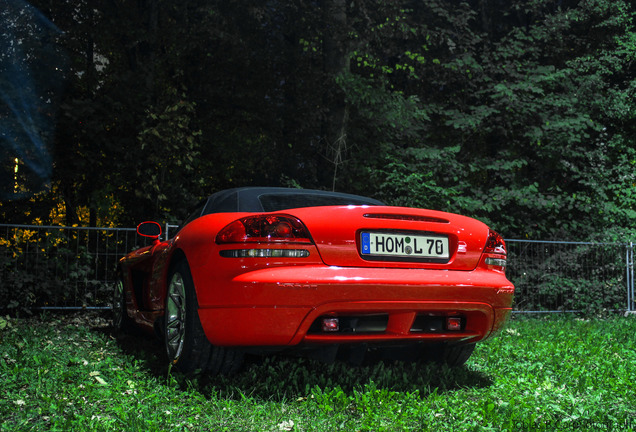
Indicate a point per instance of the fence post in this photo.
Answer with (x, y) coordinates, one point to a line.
(168, 226)
(631, 309)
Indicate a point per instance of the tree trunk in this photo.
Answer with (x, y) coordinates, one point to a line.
(336, 63)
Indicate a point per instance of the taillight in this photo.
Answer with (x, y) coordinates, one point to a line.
(495, 251)
(265, 229)
(495, 244)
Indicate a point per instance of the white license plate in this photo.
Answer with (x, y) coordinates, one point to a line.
(404, 245)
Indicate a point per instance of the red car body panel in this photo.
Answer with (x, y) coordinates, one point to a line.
(283, 302)
(276, 302)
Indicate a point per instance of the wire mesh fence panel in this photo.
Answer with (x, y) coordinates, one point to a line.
(74, 268)
(568, 276)
(61, 267)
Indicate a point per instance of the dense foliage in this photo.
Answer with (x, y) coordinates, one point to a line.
(539, 375)
(520, 113)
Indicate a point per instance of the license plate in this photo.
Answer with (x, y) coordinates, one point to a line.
(404, 245)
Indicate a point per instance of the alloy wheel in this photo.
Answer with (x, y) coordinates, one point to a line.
(175, 317)
(118, 304)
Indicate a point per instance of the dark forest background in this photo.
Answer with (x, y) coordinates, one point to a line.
(519, 113)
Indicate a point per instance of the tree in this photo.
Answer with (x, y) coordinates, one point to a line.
(518, 113)
(515, 134)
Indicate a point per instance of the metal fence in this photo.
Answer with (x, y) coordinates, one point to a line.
(552, 276)
(52, 267)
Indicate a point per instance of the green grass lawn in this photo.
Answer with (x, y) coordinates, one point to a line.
(75, 374)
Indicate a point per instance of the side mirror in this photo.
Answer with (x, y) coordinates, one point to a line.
(149, 229)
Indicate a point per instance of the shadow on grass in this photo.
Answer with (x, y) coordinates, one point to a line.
(146, 348)
(284, 378)
(281, 377)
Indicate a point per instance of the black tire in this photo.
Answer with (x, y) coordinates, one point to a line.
(121, 320)
(185, 342)
(451, 355)
(455, 355)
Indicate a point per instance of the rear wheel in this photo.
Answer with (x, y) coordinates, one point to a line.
(186, 345)
(121, 321)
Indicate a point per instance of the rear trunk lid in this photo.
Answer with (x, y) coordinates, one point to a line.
(394, 237)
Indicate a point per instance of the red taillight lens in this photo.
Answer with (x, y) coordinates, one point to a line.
(495, 251)
(265, 229)
(495, 244)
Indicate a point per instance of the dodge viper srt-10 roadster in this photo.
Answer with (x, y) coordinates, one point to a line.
(259, 270)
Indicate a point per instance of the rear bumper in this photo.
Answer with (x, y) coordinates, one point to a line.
(277, 306)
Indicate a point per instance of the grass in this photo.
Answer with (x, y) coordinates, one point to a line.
(72, 373)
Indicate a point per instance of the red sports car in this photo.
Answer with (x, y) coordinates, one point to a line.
(256, 270)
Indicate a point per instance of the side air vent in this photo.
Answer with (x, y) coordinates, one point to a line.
(406, 217)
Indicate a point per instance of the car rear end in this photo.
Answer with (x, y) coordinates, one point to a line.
(353, 274)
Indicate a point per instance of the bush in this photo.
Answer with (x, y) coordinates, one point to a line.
(39, 269)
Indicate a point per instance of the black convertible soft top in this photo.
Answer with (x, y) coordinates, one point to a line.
(268, 199)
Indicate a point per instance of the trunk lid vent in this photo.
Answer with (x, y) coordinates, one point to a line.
(415, 218)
